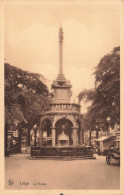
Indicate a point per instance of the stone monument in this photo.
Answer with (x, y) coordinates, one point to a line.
(60, 129)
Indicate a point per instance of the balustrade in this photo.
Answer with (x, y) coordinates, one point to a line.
(65, 107)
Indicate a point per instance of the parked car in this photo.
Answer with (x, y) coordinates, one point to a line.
(113, 153)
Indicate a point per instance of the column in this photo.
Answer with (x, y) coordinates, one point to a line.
(74, 136)
(40, 137)
(82, 136)
(60, 51)
(53, 136)
(81, 133)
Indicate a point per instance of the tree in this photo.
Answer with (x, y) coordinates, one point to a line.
(26, 97)
(87, 95)
(104, 111)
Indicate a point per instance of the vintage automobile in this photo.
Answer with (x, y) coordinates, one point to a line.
(104, 143)
(113, 154)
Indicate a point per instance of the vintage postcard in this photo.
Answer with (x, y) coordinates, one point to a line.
(61, 101)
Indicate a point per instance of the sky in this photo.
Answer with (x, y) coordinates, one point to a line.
(90, 32)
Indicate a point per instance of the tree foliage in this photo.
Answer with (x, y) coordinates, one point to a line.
(105, 108)
(86, 95)
(26, 97)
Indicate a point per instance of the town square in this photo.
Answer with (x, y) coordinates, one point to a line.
(62, 97)
(61, 174)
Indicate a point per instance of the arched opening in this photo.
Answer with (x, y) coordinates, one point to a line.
(64, 132)
(46, 132)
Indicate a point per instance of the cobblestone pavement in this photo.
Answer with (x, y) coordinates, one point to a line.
(23, 173)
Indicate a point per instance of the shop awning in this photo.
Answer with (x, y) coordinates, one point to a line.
(93, 140)
(117, 140)
(102, 138)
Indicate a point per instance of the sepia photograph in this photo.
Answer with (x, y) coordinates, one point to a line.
(62, 94)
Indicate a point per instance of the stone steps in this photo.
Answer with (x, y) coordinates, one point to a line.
(61, 157)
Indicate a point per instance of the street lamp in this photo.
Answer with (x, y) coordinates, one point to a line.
(108, 120)
(35, 132)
